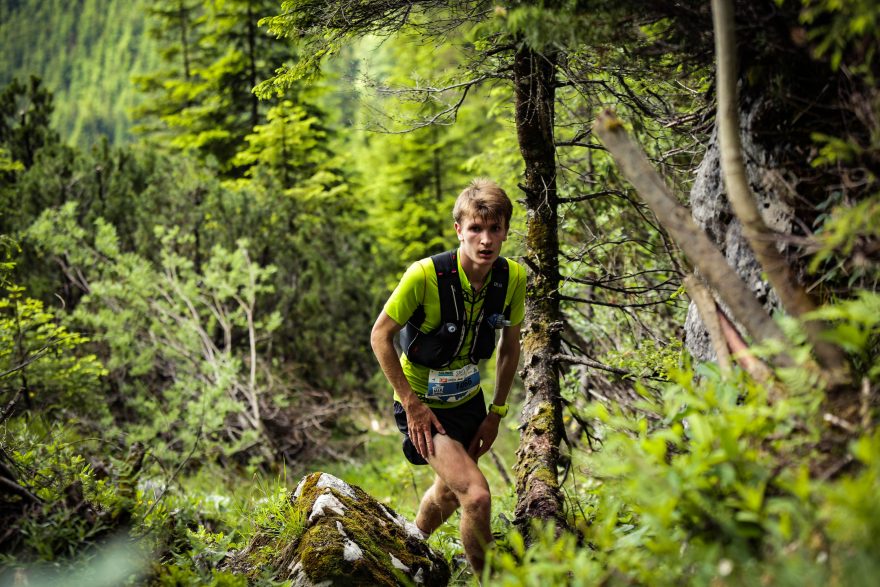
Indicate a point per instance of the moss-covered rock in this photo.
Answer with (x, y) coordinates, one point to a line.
(337, 534)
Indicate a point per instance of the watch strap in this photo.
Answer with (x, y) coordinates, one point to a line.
(500, 411)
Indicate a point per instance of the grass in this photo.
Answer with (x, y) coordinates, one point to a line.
(379, 468)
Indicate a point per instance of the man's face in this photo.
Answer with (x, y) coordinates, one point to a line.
(481, 239)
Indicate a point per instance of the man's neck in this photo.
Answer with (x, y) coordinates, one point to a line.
(476, 275)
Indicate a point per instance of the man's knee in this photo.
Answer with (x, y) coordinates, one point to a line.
(476, 500)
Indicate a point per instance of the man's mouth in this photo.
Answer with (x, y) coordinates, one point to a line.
(485, 252)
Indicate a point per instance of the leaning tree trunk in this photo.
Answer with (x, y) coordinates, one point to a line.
(762, 240)
(537, 485)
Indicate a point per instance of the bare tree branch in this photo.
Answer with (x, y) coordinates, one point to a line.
(708, 312)
(614, 305)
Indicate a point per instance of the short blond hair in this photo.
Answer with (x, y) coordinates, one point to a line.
(483, 199)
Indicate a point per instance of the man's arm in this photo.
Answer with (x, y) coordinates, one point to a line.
(505, 370)
(419, 417)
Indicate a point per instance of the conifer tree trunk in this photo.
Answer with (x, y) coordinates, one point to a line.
(537, 486)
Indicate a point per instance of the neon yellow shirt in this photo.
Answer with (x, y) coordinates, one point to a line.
(418, 286)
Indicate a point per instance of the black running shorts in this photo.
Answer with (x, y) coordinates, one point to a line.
(461, 424)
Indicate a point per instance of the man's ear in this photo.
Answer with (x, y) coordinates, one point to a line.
(458, 230)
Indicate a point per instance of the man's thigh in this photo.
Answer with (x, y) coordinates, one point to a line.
(455, 466)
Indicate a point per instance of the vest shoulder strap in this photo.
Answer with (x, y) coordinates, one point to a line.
(497, 292)
(448, 286)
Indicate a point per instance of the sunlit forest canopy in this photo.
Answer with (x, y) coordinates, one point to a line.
(205, 204)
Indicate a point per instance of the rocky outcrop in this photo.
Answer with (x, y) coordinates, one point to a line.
(336, 534)
(712, 212)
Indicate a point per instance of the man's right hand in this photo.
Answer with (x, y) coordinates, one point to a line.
(419, 419)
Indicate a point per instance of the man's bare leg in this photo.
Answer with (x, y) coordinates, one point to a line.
(438, 503)
(460, 474)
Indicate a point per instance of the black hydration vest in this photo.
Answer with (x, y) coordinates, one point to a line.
(439, 348)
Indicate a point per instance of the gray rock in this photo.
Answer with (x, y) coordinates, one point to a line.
(711, 210)
(339, 535)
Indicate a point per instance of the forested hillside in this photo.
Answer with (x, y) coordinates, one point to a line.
(204, 205)
(86, 52)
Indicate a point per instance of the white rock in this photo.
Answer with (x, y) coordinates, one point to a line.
(326, 501)
(300, 579)
(397, 520)
(411, 529)
(419, 577)
(327, 480)
(414, 531)
(299, 488)
(351, 551)
(397, 563)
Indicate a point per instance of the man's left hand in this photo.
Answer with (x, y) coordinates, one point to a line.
(485, 436)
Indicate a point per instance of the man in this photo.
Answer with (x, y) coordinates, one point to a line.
(439, 404)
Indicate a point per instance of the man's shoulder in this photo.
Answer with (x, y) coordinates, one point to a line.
(418, 275)
(425, 266)
(517, 271)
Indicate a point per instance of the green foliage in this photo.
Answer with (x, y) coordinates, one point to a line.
(8, 166)
(25, 110)
(85, 53)
(547, 560)
(546, 26)
(855, 327)
(288, 145)
(42, 363)
(278, 521)
(850, 511)
(410, 173)
(648, 359)
(218, 349)
(849, 234)
(177, 322)
(713, 488)
(834, 150)
(202, 101)
(40, 360)
(78, 506)
(844, 31)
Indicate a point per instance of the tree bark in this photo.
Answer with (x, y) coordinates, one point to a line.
(537, 485)
(761, 238)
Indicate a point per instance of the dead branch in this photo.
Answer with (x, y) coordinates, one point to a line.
(705, 303)
(602, 367)
(595, 302)
(741, 353)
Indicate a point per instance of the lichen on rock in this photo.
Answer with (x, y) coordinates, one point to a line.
(347, 538)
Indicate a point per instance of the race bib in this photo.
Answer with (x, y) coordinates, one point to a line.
(455, 385)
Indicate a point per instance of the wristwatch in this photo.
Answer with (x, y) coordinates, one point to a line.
(500, 411)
